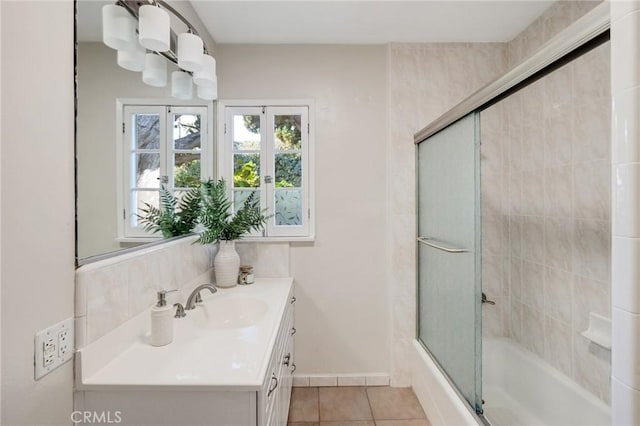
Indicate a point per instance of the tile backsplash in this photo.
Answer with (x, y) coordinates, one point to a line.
(111, 291)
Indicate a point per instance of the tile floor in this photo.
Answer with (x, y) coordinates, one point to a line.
(355, 406)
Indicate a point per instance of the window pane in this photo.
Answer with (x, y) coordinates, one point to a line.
(146, 133)
(288, 170)
(186, 172)
(288, 207)
(246, 170)
(246, 132)
(147, 170)
(138, 200)
(239, 196)
(186, 131)
(287, 132)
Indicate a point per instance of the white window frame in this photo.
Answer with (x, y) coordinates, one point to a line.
(227, 108)
(124, 212)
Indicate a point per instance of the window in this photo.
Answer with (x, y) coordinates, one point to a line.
(161, 145)
(266, 149)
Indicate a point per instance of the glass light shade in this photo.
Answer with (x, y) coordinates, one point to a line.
(155, 70)
(209, 93)
(190, 52)
(118, 28)
(181, 86)
(154, 28)
(132, 60)
(207, 75)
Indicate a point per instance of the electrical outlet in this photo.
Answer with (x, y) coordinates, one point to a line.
(53, 347)
(48, 352)
(63, 343)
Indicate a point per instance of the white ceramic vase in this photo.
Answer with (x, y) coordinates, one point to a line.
(226, 264)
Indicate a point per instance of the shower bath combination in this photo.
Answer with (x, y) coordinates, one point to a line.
(513, 242)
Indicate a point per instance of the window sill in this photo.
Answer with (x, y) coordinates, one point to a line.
(277, 240)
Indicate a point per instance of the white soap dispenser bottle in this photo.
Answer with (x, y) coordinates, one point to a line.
(161, 321)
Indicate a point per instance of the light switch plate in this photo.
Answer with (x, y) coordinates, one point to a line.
(53, 347)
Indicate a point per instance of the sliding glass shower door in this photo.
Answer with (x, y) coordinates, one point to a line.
(449, 284)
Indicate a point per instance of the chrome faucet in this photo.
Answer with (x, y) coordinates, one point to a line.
(195, 297)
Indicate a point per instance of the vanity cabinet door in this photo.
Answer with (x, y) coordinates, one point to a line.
(288, 368)
(273, 400)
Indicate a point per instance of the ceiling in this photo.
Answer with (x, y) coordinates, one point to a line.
(348, 22)
(366, 22)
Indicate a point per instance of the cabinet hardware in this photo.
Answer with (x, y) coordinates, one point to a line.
(286, 359)
(293, 368)
(293, 331)
(293, 299)
(273, 378)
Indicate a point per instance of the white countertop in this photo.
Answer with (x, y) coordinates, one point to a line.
(198, 358)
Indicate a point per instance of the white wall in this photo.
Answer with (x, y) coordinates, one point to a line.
(343, 308)
(37, 203)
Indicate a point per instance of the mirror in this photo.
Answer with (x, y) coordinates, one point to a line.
(105, 159)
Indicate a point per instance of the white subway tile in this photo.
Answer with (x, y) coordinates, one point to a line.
(107, 301)
(620, 8)
(625, 124)
(323, 381)
(377, 380)
(626, 200)
(625, 282)
(80, 332)
(300, 381)
(626, 345)
(82, 281)
(626, 404)
(351, 380)
(625, 52)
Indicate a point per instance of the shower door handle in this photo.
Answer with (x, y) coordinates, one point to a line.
(430, 242)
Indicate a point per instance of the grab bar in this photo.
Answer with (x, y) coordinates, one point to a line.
(429, 242)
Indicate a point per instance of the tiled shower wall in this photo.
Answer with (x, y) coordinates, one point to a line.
(112, 291)
(424, 81)
(546, 216)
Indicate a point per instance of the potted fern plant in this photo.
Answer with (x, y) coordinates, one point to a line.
(222, 226)
(174, 216)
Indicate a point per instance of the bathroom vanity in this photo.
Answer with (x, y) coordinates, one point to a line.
(231, 364)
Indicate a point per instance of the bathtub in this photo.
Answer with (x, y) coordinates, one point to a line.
(519, 388)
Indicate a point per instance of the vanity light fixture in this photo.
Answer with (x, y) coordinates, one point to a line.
(118, 27)
(132, 59)
(207, 75)
(154, 33)
(154, 28)
(190, 52)
(208, 93)
(155, 70)
(181, 86)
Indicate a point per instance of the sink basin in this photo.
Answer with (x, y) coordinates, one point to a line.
(228, 313)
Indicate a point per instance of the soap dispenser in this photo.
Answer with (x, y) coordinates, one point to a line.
(161, 321)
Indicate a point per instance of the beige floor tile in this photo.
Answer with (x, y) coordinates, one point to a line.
(304, 405)
(351, 423)
(413, 422)
(344, 403)
(389, 403)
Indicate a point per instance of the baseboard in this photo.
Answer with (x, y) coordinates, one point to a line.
(320, 380)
